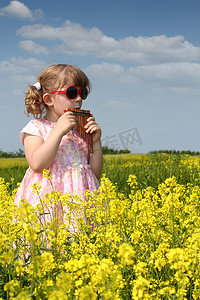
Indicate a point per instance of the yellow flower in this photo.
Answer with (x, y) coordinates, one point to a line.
(12, 287)
(132, 181)
(127, 254)
(46, 174)
(19, 268)
(86, 292)
(57, 295)
(140, 288)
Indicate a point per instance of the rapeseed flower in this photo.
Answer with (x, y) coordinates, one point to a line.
(144, 245)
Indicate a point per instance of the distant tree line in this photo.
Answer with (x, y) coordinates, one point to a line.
(107, 150)
(18, 153)
(188, 152)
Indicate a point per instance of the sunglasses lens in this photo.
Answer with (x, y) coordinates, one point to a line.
(84, 93)
(71, 92)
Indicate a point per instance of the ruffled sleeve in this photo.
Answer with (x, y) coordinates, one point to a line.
(33, 127)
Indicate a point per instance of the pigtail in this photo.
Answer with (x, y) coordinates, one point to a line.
(34, 102)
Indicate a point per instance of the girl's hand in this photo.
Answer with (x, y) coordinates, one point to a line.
(66, 122)
(93, 127)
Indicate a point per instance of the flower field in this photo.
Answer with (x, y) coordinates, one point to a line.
(137, 237)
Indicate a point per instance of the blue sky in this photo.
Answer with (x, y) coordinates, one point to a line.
(142, 58)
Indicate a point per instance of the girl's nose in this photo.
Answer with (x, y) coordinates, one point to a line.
(78, 100)
(78, 97)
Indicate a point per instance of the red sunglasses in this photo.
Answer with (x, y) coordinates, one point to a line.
(72, 92)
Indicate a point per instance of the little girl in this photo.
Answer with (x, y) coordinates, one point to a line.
(51, 142)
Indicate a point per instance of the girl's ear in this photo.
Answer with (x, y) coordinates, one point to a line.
(47, 99)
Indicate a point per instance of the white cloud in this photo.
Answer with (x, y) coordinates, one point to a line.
(32, 47)
(74, 39)
(19, 10)
(18, 73)
(38, 14)
(106, 70)
(173, 74)
(20, 66)
(178, 74)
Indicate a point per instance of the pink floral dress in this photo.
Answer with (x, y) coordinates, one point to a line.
(70, 171)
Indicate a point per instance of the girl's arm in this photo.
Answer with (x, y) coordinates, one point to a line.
(96, 158)
(39, 154)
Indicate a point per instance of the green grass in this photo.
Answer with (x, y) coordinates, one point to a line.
(13, 168)
(150, 169)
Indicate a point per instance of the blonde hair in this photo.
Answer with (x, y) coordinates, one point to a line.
(53, 78)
